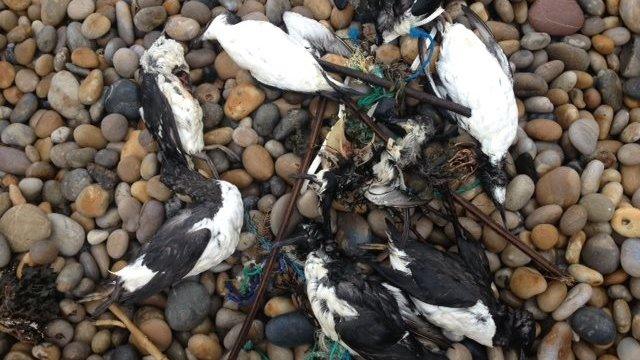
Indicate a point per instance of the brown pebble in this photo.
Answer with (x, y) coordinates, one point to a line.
(243, 100)
(93, 201)
(129, 169)
(544, 236)
(238, 177)
(545, 130)
(258, 162)
(91, 136)
(526, 282)
(205, 347)
(43, 252)
(85, 57)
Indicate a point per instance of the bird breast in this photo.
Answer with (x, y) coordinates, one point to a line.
(225, 227)
(272, 57)
(474, 78)
(187, 113)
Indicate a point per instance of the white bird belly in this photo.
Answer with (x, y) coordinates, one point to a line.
(273, 58)
(187, 114)
(474, 322)
(474, 78)
(225, 230)
(324, 302)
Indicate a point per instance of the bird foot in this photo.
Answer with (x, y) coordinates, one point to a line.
(202, 156)
(25, 261)
(233, 156)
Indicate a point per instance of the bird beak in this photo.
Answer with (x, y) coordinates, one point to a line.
(341, 4)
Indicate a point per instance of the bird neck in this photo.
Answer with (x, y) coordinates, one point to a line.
(183, 180)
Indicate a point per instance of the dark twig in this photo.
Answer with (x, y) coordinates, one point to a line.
(269, 267)
(541, 261)
(416, 94)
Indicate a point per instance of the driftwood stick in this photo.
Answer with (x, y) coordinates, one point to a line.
(269, 267)
(548, 267)
(416, 94)
(139, 336)
(106, 323)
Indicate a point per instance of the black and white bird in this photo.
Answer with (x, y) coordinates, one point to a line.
(454, 291)
(474, 71)
(198, 237)
(165, 73)
(272, 56)
(394, 18)
(352, 309)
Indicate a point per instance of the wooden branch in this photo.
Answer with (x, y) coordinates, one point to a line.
(269, 267)
(544, 264)
(139, 336)
(106, 323)
(416, 94)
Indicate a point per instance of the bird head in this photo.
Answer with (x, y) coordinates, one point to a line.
(219, 23)
(166, 56)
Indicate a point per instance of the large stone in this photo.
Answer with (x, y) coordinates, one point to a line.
(23, 225)
(243, 100)
(556, 17)
(559, 186)
(63, 95)
(630, 14)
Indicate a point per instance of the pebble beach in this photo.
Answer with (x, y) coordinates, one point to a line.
(80, 189)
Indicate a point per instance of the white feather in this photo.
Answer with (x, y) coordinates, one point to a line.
(318, 293)
(474, 322)
(399, 259)
(314, 36)
(186, 112)
(271, 56)
(474, 78)
(135, 275)
(407, 22)
(225, 229)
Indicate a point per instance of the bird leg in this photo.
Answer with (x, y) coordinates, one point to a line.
(225, 150)
(26, 260)
(203, 156)
(137, 334)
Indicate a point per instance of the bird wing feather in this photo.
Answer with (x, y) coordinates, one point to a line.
(172, 252)
(378, 330)
(308, 32)
(486, 36)
(159, 118)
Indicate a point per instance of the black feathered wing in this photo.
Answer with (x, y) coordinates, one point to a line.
(172, 252)
(378, 332)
